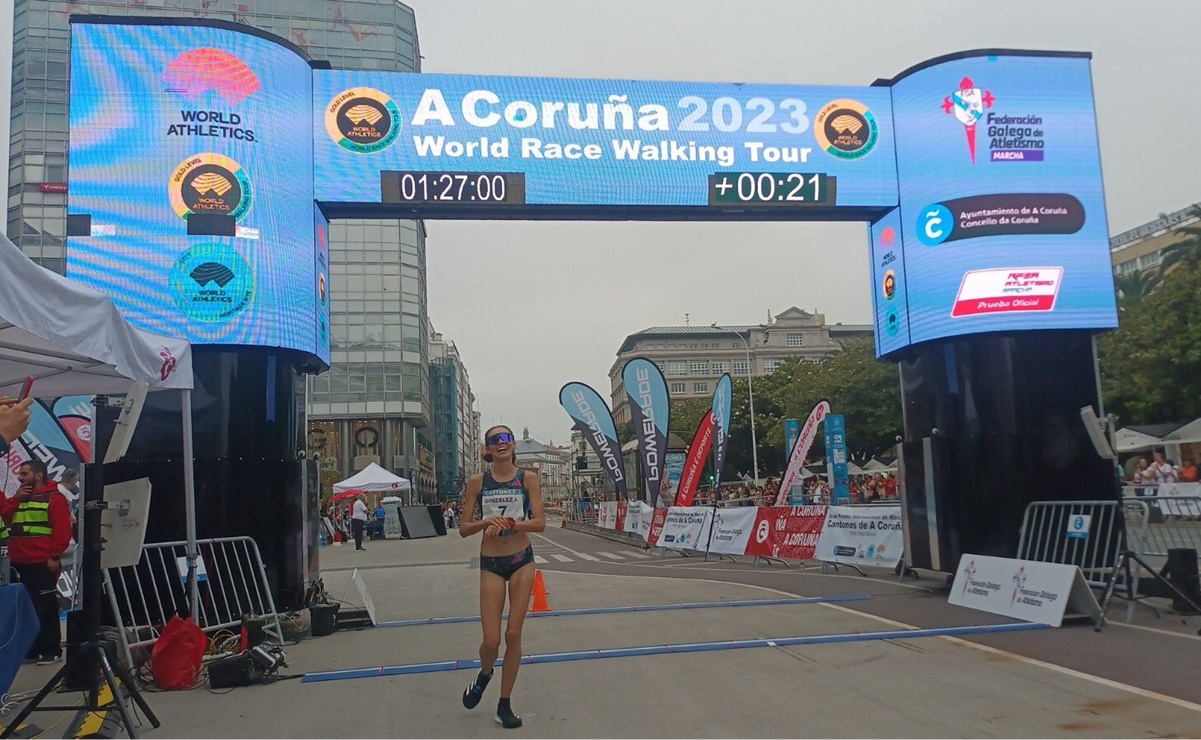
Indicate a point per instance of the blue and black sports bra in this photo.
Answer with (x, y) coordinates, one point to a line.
(508, 498)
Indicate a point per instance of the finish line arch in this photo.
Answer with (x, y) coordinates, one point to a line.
(207, 158)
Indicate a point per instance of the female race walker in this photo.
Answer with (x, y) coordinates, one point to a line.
(504, 504)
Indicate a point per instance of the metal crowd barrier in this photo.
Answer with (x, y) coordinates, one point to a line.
(232, 582)
(1044, 536)
(1156, 525)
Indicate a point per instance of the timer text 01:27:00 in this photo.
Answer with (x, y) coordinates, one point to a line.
(481, 188)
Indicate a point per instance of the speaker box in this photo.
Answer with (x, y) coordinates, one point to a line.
(237, 670)
(1181, 572)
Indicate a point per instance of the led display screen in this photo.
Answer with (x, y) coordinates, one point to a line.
(199, 154)
(1003, 221)
(168, 122)
(470, 140)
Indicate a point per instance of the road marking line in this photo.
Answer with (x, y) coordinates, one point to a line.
(540, 560)
(1145, 693)
(588, 557)
(561, 558)
(687, 647)
(639, 555)
(610, 555)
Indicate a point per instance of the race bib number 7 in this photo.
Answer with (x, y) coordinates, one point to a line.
(511, 505)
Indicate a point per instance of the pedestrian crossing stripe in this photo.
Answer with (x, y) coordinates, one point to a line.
(588, 557)
(609, 555)
(639, 555)
(540, 560)
(561, 558)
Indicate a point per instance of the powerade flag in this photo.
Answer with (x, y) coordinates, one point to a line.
(702, 442)
(650, 407)
(594, 420)
(808, 433)
(721, 425)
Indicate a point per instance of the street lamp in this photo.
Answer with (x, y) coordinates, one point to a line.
(750, 391)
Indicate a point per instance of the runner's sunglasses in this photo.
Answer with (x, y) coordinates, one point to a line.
(498, 438)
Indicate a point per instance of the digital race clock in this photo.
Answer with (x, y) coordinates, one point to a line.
(479, 188)
(772, 189)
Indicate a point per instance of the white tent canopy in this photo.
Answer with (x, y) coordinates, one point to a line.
(1188, 434)
(72, 340)
(373, 478)
(1128, 440)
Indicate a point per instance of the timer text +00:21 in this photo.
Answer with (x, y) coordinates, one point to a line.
(767, 187)
(457, 187)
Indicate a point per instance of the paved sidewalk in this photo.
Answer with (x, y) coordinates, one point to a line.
(902, 687)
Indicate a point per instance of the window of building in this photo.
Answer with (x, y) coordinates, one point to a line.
(742, 367)
(770, 366)
(698, 367)
(795, 340)
(700, 387)
(678, 388)
(677, 368)
(720, 366)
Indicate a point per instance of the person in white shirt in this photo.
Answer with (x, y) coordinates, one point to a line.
(358, 520)
(1165, 471)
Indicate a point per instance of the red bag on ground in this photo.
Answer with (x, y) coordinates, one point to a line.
(178, 655)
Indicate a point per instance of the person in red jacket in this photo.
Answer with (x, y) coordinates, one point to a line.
(39, 520)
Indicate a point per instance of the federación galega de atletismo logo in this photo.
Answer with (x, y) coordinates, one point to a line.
(362, 120)
(211, 282)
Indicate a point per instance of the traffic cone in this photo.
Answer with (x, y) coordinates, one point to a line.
(540, 604)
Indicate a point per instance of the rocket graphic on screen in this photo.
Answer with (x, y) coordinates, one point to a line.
(968, 104)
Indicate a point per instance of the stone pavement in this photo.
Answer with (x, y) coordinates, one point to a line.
(904, 687)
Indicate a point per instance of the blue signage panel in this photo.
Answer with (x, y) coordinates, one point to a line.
(836, 458)
(425, 139)
(1002, 210)
(792, 430)
(168, 122)
(890, 296)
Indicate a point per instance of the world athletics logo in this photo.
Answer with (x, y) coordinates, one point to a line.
(211, 283)
(210, 183)
(197, 71)
(362, 120)
(846, 129)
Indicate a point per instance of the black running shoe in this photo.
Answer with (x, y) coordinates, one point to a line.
(505, 716)
(475, 691)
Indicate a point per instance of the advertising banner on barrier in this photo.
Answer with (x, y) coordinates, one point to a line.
(683, 526)
(650, 410)
(792, 474)
(788, 533)
(632, 521)
(654, 532)
(1023, 589)
(731, 530)
(594, 420)
(862, 535)
(702, 442)
(620, 524)
(607, 516)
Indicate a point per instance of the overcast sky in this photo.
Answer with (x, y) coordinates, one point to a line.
(496, 287)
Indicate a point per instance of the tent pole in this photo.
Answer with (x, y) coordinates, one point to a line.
(189, 487)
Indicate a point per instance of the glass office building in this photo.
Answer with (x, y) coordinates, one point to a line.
(379, 379)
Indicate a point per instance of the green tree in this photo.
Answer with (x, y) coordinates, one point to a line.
(1151, 366)
(1133, 287)
(1188, 249)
